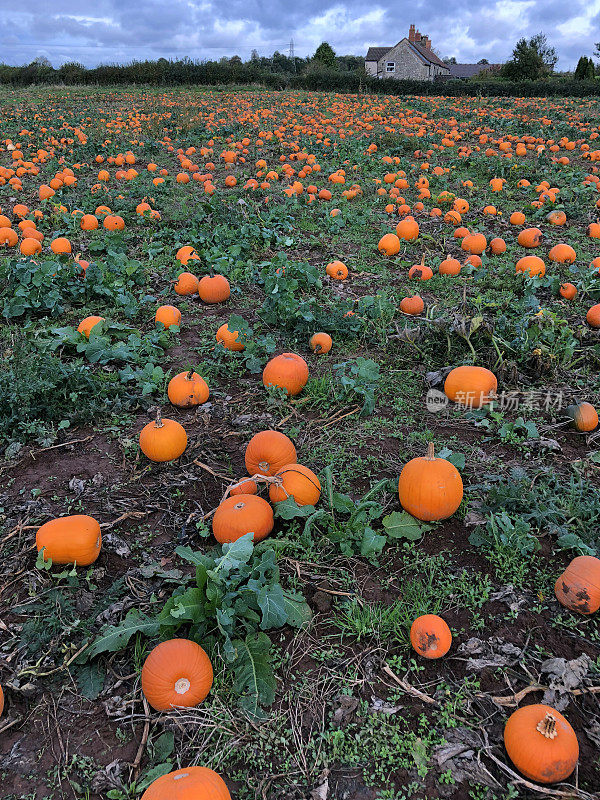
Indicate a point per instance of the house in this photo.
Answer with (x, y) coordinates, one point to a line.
(465, 71)
(411, 59)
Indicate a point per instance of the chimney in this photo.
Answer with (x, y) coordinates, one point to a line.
(411, 34)
(417, 36)
(426, 42)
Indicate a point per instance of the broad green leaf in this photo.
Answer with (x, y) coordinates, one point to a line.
(116, 637)
(372, 543)
(401, 525)
(254, 681)
(297, 609)
(271, 602)
(289, 509)
(90, 679)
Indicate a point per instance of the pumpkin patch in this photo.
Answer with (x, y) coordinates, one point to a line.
(299, 441)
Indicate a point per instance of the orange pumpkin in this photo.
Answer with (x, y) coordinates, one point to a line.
(533, 265)
(430, 636)
(186, 284)
(176, 673)
(188, 389)
(450, 266)
(474, 243)
(430, 488)
(321, 343)
(168, 315)
(578, 588)
(562, 254)
(541, 743)
(389, 244)
(337, 270)
(267, 452)
(86, 325)
(568, 291)
(241, 514)
(412, 305)
(192, 783)
(163, 439)
(593, 316)
(245, 486)
(584, 416)
(69, 540)
(470, 386)
(230, 339)
(287, 371)
(530, 237)
(407, 229)
(298, 482)
(214, 289)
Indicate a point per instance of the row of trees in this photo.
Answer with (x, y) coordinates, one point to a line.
(532, 59)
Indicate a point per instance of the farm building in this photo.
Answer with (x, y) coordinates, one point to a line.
(412, 58)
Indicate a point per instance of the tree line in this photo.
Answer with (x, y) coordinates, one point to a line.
(532, 60)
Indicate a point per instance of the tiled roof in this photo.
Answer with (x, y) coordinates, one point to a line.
(375, 53)
(428, 54)
(468, 70)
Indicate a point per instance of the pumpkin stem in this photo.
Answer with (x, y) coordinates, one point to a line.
(430, 452)
(547, 727)
(158, 422)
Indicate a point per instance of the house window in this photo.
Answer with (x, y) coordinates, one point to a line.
(390, 66)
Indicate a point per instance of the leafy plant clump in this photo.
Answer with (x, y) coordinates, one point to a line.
(235, 596)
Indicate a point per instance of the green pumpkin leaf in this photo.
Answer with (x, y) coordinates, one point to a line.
(254, 681)
(116, 637)
(401, 525)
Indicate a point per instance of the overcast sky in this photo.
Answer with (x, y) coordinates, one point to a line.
(121, 30)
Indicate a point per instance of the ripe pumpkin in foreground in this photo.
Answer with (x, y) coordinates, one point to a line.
(267, 452)
(68, 540)
(541, 743)
(176, 673)
(470, 386)
(163, 439)
(430, 488)
(193, 783)
(241, 514)
(430, 636)
(578, 588)
(187, 389)
(298, 482)
(287, 371)
(583, 416)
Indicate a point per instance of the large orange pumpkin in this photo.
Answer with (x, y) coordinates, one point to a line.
(584, 417)
(288, 371)
(430, 488)
(188, 389)
(541, 743)
(176, 673)
(267, 452)
(241, 514)
(470, 386)
(193, 783)
(69, 540)
(578, 588)
(163, 439)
